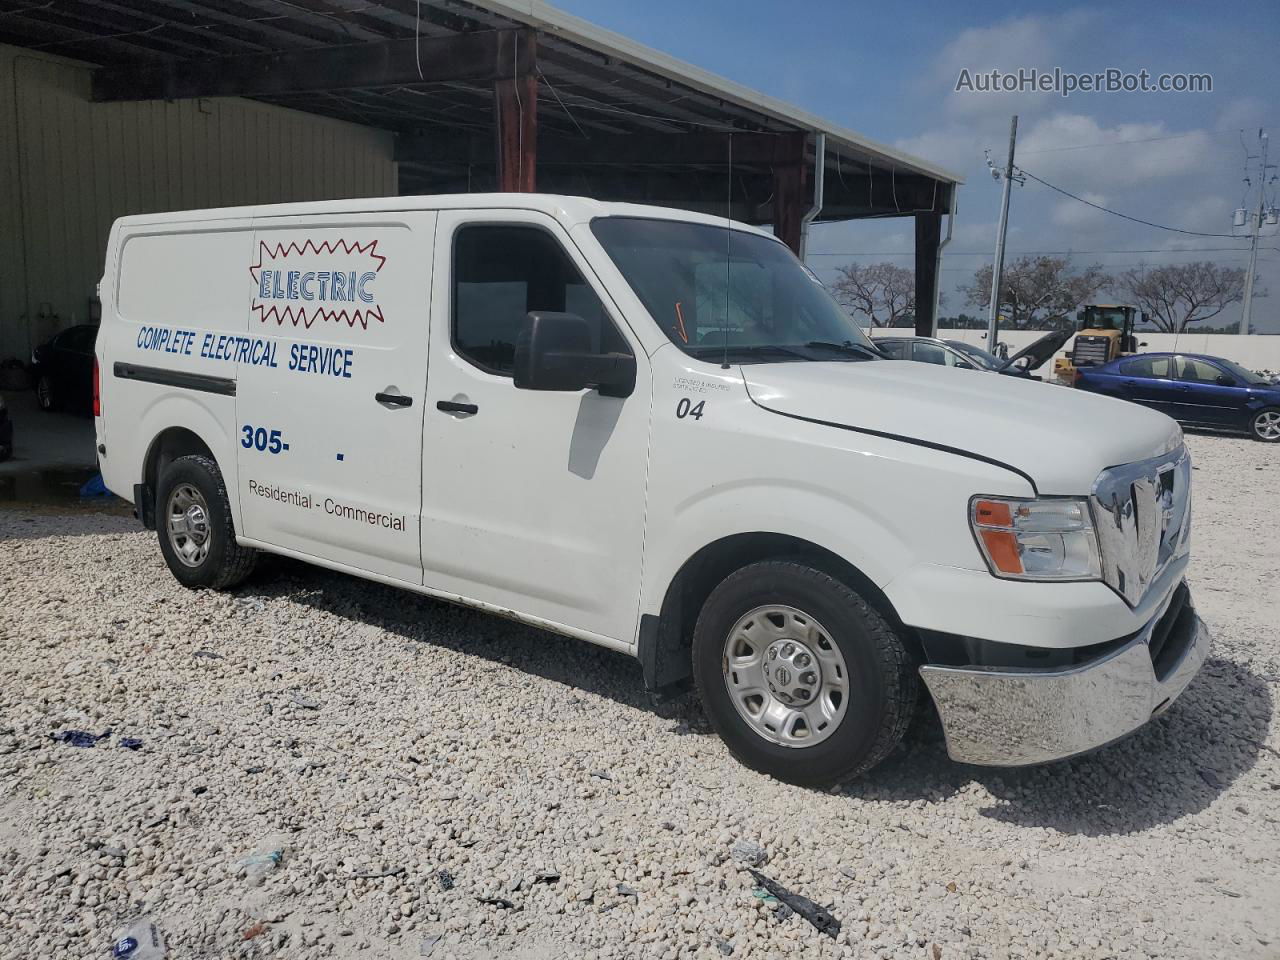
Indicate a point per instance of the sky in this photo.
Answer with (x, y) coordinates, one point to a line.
(889, 71)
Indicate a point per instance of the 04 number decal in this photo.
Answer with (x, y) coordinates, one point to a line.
(687, 408)
(261, 439)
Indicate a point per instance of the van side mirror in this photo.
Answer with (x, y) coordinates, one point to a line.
(553, 352)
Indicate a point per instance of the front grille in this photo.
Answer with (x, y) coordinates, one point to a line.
(1143, 514)
(1091, 351)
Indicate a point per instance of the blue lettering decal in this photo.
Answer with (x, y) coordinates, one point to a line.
(339, 286)
(204, 344)
(323, 277)
(291, 285)
(264, 284)
(364, 294)
(304, 284)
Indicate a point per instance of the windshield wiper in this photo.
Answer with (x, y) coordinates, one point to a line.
(848, 347)
(705, 350)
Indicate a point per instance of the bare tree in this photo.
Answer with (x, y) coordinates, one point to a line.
(1180, 294)
(881, 292)
(1037, 292)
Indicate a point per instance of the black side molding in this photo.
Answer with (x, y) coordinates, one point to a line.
(176, 378)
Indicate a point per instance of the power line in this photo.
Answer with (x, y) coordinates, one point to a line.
(1124, 216)
(1108, 143)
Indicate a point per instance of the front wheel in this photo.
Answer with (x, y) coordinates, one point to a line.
(193, 521)
(800, 676)
(1265, 425)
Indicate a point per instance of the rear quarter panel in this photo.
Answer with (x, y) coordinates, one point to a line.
(170, 296)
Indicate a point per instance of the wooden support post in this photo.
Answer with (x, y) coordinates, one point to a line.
(788, 194)
(516, 110)
(928, 235)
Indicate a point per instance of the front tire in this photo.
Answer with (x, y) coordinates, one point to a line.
(800, 676)
(1265, 425)
(193, 521)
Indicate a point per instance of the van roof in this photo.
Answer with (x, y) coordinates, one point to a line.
(568, 210)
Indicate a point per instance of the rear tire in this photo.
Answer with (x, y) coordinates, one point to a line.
(193, 522)
(829, 641)
(1265, 425)
(46, 396)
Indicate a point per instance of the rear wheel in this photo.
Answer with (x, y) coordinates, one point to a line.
(193, 521)
(800, 676)
(46, 395)
(1265, 425)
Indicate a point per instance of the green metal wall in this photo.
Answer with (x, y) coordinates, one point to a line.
(69, 167)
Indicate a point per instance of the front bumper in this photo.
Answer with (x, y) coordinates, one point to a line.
(1012, 717)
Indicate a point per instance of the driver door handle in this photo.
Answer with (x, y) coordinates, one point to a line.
(453, 406)
(394, 399)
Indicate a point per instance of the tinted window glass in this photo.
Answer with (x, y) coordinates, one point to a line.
(500, 273)
(894, 349)
(1197, 371)
(929, 353)
(1154, 367)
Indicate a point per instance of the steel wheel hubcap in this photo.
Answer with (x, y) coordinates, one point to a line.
(786, 676)
(188, 524)
(1267, 425)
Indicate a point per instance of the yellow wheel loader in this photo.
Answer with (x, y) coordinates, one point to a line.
(1105, 332)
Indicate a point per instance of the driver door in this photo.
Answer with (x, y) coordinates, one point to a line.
(532, 501)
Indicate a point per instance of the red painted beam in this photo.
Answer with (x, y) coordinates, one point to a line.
(789, 193)
(516, 108)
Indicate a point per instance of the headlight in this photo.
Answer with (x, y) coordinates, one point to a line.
(1036, 539)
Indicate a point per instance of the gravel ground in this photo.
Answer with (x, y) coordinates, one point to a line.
(377, 738)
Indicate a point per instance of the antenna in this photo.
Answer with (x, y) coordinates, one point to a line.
(728, 252)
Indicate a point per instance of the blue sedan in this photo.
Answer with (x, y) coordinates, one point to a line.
(1193, 389)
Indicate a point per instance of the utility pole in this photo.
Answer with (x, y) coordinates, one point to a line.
(993, 310)
(1246, 313)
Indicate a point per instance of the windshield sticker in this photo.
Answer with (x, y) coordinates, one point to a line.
(334, 281)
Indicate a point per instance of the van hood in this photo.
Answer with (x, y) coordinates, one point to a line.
(1060, 437)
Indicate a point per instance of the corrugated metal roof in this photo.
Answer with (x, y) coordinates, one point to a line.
(592, 82)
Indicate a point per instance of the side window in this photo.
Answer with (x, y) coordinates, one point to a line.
(1154, 367)
(500, 273)
(1197, 371)
(929, 353)
(894, 349)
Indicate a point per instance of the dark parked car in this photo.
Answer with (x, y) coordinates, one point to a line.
(6, 432)
(62, 368)
(964, 356)
(1193, 389)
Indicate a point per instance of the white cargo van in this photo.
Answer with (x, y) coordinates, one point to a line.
(655, 431)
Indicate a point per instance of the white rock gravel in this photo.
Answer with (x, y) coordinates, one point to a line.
(386, 737)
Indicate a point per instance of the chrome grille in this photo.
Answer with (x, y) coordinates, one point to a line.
(1143, 515)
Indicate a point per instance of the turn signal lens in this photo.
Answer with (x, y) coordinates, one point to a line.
(97, 390)
(1036, 539)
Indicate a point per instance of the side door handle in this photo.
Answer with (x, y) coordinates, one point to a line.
(453, 406)
(394, 399)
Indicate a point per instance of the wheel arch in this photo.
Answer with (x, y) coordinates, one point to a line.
(168, 445)
(665, 639)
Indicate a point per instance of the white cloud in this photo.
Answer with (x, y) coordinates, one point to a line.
(1075, 149)
(1022, 42)
(1072, 213)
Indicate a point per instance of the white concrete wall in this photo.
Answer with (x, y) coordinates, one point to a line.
(1257, 352)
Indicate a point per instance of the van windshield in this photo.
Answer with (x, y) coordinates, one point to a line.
(717, 292)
